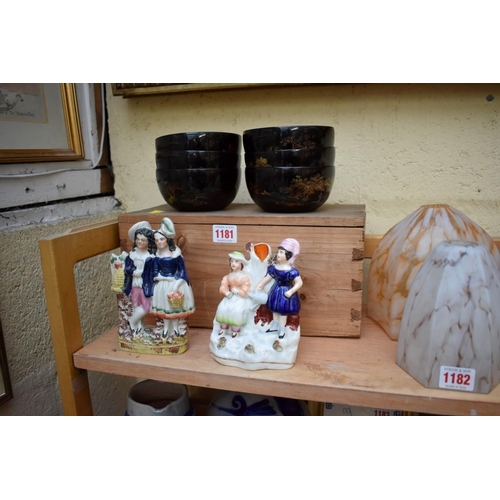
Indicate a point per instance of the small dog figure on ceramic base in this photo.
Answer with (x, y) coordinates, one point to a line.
(117, 263)
(257, 325)
(153, 292)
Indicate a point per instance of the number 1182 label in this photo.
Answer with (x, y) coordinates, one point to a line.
(453, 377)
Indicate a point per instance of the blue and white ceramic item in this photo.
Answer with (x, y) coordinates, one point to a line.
(239, 404)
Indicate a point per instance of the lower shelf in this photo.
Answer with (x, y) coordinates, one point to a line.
(355, 372)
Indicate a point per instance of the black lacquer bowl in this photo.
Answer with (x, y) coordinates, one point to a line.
(310, 157)
(289, 137)
(198, 190)
(202, 141)
(166, 159)
(290, 189)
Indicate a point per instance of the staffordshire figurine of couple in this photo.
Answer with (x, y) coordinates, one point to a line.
(257, 324)
(152, 280)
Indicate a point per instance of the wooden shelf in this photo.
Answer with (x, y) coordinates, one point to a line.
(356, 372)
(352, 371)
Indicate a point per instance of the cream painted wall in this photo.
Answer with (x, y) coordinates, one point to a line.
(398, 146)
(25, 324)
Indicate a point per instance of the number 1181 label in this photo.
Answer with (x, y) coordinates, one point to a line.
(224, 233)
(453, 377)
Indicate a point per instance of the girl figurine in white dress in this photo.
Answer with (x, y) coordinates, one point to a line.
(234, 308)
(166, 280)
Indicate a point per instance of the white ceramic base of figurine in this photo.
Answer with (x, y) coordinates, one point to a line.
(150, 339)
(178, 345)
(254, 348)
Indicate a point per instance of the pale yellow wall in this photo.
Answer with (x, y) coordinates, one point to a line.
(25, 324)
(398, 146)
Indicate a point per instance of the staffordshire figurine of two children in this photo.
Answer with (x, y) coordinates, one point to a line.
(155, 281)
(256, 324)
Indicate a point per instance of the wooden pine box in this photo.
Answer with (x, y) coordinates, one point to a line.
(330, 262)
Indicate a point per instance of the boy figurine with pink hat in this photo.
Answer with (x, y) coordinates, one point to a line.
(283, 299)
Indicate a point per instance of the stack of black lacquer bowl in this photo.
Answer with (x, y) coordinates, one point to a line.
(289, 169)
(198, 171)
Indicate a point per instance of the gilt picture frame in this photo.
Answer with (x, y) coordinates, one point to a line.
(145, 89)
(39, 122)
(5, 385)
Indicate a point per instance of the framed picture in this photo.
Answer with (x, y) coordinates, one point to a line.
(39, 122)
(5, 386)
(141, 89)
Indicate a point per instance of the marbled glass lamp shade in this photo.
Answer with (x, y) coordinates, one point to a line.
(403, 249)
(452, 320)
